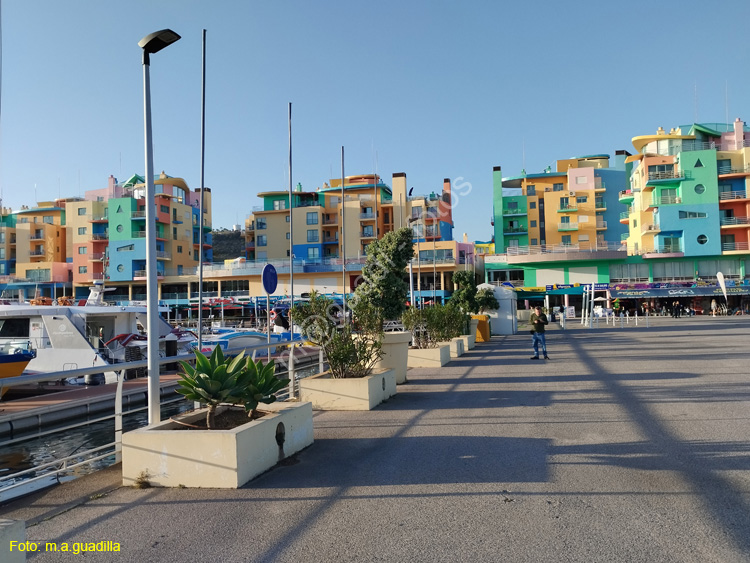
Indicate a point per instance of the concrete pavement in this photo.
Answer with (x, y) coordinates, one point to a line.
(628, 445)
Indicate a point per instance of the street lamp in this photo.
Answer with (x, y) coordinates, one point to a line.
(152, 43)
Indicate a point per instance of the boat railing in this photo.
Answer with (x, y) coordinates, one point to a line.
(285, 354)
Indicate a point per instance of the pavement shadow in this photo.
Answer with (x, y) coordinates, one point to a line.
(395, 461)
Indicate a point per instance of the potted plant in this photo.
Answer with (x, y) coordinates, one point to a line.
(383, 293)
(222, 445)
(465, 297)
(352, 351)
(426, 326)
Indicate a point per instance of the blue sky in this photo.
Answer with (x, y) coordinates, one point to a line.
(434, 89)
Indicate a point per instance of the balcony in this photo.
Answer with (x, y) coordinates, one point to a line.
(515, 230)
(138, 215)
(141, 274)
(601, 225)
(668, 251)
(650, 229)
(625, 215)
(330, 240)
(99, 219)
(624, 236)
(39, 235)
(727, 196)
(333, 221)
(99, 237)
(600, 205)
(367, 216)
(36, 253)
(727, 170)
(139, 234)
(567, 226)
(735, 221)
(97, 257)
(669, 200)
(665, 176)
(734, 246)
(567, 208)
(163, 255)
(514, 212)
(249, 227)
(367, 234)
(625, 196)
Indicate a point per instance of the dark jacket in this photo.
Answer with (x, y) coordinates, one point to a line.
(538, 322)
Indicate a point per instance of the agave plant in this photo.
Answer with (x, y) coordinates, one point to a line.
(261, 384)
(214, 380)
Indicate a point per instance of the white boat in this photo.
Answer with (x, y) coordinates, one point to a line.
(81, 336)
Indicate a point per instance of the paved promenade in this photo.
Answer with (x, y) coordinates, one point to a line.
(628, 445)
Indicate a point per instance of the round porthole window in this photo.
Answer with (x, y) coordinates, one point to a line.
(119, 228)
(120, 267)
(700, 188)
(702, 239)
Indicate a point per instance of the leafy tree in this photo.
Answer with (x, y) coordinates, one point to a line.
(486, 300)
(464, 295)
(384, 286)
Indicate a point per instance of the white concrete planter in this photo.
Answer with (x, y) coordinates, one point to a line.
(220, 459)
(473, 324)
(350, 393)
(456, 347)
(429, 357)
(465, 339)
(395, 354)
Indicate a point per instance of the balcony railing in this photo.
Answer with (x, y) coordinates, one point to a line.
(625, 194)
(99, 236)
(666, 175)
(669, 199)
(567, 226)
(600, 204)
(739, 194)
(626, 214)
(515, 230)
(601, 224)
(514, 211)
(139, 234)
(562, 248)
(732, 221)
(650, 229)
(138, 214)
(732, 246)
(567, 208)
(367, 234)
(366, 216)
(164, 255)
(334, 221)
(733, 170)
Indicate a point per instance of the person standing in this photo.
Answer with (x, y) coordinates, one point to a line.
(538, 322)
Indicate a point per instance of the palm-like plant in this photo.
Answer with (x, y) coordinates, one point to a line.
(260, 384)
(213, 381)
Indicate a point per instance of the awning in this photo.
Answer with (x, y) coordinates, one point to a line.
(678, 292)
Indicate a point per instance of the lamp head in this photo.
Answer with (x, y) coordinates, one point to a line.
(156, 41)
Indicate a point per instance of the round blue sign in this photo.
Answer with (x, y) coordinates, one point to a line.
(270, 279)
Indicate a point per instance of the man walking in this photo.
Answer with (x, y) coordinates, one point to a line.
(538, 321)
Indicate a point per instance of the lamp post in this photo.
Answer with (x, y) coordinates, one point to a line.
(152, 43)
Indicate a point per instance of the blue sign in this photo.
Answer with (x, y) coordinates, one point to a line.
(270, 279)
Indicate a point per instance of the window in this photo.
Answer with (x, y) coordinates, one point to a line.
(279, 204)
(699, 188)
(566, 239)
(512, 205)
(2, 254)
(82, 269)
(312, 235)
(581, 180)
(119, 228)
(367, 231)
(532, 205)
(83, 250)
(120, 268)
(174, 233)
(179, 269)
(179, 249)
(692, 215)
(287, 219)
(534, 242)
(81, 211)
(557, 187)
(698, 163)
(582, 199)
(48, 219)
(312, 218)
(532, 224)
(702, 239)
(288, 236)
(313, 252)
(260, 240)
(127, 248)
(260, 223)
(531, 189)
(81, 230)
(261, 255)
(2, 237)
(583, 238)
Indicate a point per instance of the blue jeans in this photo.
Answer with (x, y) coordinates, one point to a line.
(536, 338)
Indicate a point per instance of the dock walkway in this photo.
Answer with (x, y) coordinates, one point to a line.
(628, 445)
